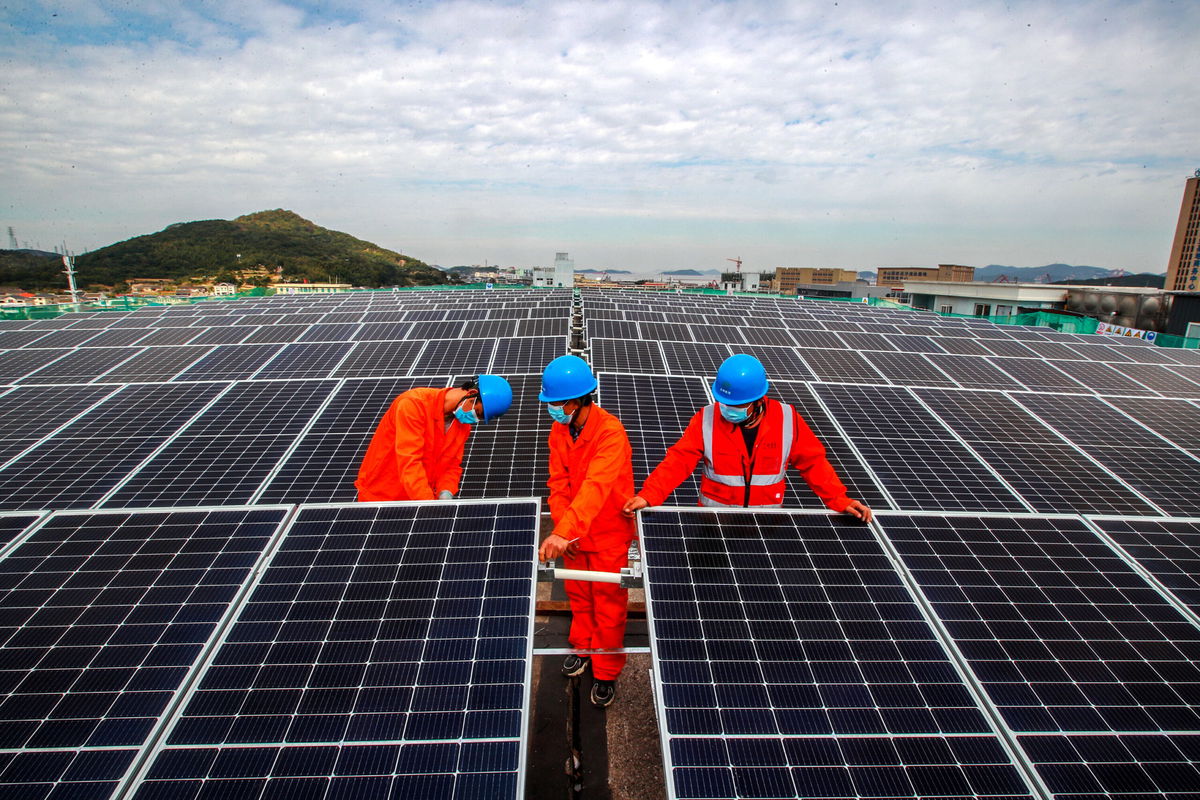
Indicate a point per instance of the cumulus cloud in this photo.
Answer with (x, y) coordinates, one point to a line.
(461, 131)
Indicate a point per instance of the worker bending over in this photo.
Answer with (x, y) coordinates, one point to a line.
(747, 441)
(591, 474)
(416, 452)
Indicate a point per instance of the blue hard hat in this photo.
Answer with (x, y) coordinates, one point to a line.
(495, 394)
(566, 378)
(740, 379)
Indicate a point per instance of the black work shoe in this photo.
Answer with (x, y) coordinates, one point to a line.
(574, 665)
(603, 693)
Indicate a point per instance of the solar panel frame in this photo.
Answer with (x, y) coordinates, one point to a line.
(397, 700)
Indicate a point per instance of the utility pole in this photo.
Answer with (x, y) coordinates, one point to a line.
(69, 263)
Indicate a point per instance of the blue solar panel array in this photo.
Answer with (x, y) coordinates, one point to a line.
(192, 605)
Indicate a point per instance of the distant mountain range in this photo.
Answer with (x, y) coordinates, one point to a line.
(1056, 272)
(692, 273)
(603, 272)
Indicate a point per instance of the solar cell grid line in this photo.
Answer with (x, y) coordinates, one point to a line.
(610, 328)
(456, 356)
(230, 334)
(844, 366)
(306, 360)
(823, 340)
(384, 648)
(1007, 348)
(1070, 642)
(843, 326)
(791, 661)
(262, 407)
(16, 364)
(379, 360)
(105, 617)
(694, 358)
(16, 339)
(907, 369)
(440, 329)
(721, 334)
(655, 410)
(625, 355)
(169, 337)
(1055, 350)
(1039, 376)
(1143, 354)
(853, 472)
(1166, 548)
(491, 328)
(12, 526)
(665, 331)
(526, 354)
(80, 366)
(974, 372)
(917, 459)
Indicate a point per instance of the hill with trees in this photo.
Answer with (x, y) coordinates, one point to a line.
(251, 248)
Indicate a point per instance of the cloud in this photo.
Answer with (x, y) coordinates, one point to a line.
(1026, 125)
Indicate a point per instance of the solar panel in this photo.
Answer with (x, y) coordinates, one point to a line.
(330, 332)
(386, 331)
(1039, 376)
(781, 363)
(1177, 420)
(104, 616)
(306, 360)
(79, 366)
(31, 412)
(722, 334)
(276, 334)
(790, 661)
(526, 354)
(655, 410)
(859, 481)
(769, 336)
(458, 356)
(973, 373)
(386, 649)
(1069, 641)
(379, 360)
(508, 457)
(907, 369)
(1153, 466)
(232, 334)
(694, 358)
(1160, 378)
(231, 362)
(623, 355)
(916, 459)
(844, 366)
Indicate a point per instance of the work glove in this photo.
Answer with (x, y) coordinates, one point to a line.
(445, 494)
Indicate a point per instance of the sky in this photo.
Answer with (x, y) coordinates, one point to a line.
(644, 136)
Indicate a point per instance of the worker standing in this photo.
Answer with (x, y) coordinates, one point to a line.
(416, 452)
(591, 474)
(747, 441)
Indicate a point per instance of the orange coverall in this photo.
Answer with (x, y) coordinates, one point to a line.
(413, 456)
(590, 477)
(731, 463)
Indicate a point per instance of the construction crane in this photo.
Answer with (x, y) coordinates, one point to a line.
(1002, 279)
(737, 261)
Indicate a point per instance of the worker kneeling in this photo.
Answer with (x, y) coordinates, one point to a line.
(747, 441)
(591, 474)
(417, 450)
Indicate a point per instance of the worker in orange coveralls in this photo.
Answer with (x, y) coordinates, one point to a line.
(416, 452)
(747, 448)
(591, 474)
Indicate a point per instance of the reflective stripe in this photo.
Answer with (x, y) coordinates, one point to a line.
(787, 434)
(706, 428)
(708, 501)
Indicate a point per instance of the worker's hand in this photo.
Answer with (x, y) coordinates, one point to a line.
(572, 548)
(634, 505)
(445, 494)
(857, 509)
(553, 546)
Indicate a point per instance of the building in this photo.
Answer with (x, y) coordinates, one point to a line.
(562, 276)
(942, 273)
(1184, 316)
(983, 299)
(788, 278)
(745, 281)
(1127, 306)
(311, 288)
(1183, 270)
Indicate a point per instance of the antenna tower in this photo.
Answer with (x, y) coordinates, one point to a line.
(12, 239)
(69, 263)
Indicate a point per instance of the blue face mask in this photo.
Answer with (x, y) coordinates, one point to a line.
(734, 415)
(465, 417)
(558, 414)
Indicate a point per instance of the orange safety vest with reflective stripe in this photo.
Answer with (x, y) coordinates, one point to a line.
(413, 455)
(734, 477)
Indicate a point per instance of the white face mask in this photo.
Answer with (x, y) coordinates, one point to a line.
(734, 414)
